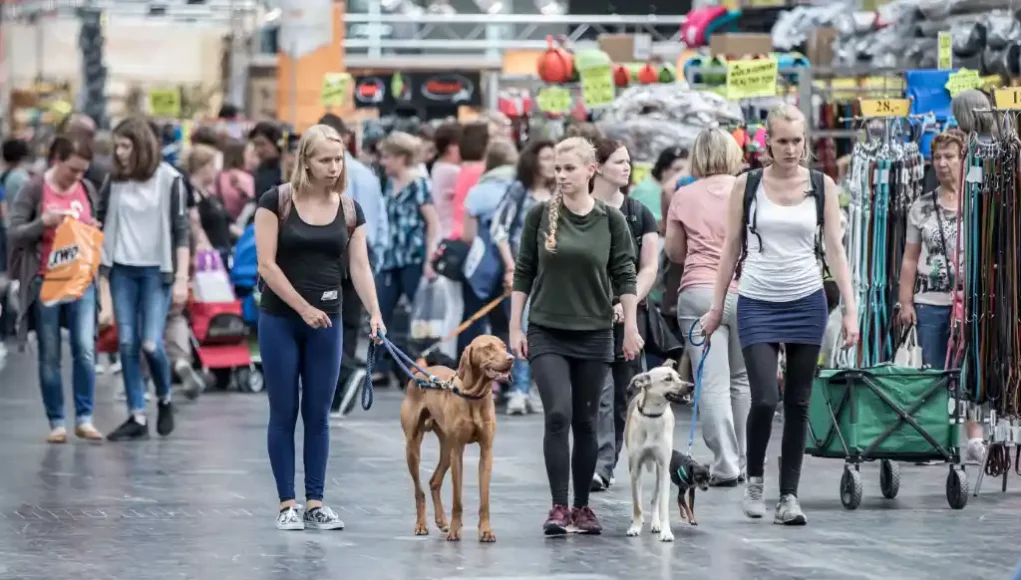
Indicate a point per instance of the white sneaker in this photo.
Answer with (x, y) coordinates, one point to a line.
(753, 504)
(517, 403)
(290, 519)
(534, 400)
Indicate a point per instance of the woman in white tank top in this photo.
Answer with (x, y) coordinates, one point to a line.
(775, 249)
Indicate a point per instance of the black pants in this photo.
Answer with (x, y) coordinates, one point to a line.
(351, 317)
(498, 319)
(761, 361)
(570, 390)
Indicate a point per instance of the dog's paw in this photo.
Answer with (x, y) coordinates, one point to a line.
(421, 530)
(442, 526)
(635, 529)
(454, 536)
(487, 537)
(655, 527)
(666, 535)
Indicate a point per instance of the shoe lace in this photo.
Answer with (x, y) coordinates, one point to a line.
(755, 491)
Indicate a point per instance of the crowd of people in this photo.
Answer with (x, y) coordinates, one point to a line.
(344, 234)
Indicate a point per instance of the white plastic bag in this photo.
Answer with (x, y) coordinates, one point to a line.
(212, 284)
(909, 353)
(436, 312)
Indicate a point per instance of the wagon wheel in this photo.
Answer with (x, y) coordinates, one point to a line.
(850, 488)
(957, 488)
(889, 478)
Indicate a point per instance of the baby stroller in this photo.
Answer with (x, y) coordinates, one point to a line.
(219, 331)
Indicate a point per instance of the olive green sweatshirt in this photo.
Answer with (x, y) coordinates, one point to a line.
(573, 288)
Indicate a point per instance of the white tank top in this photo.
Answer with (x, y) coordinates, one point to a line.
(786, 268)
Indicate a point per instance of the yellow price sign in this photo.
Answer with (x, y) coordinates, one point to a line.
(597, 86)
(639, 171)
(751, 78)
(963, 80)
(991, 82)
(165, 103)
(554, 100)
(885, 107)
(1009, 98)
(946, 51)
(334, 90)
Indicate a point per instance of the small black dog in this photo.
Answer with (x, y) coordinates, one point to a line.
(687, 474)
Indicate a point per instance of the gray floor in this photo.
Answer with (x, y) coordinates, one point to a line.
(200, 505)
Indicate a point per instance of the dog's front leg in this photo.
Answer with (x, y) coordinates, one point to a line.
(691, 507)
(485, 474)
(457, 475)
(663, 506)
(637, 520)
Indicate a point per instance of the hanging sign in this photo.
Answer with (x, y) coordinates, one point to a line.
(334, 90)
(885, 107)
(639, 171)
(597, 86)
(963, 80)
(1009, 98)
(554, 100)
(165, 103)
(751, 78)
(946, 51)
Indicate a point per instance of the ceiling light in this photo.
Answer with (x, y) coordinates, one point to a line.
(550, 7)
(441, 7)
(490, 6)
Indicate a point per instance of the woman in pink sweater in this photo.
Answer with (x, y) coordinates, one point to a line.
(444, 174)
(474, 141)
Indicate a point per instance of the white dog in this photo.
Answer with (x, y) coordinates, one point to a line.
(649, 438)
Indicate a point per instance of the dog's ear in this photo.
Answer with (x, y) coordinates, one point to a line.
(464, 368)
(640, 382)
(670, 364)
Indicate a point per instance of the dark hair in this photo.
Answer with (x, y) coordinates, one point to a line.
(666, 159)
(334, 122)
(426, 132)
(234, 155)
(585, 131)
(269, 131)
(69, 145)
(605, 148)
(446, 135)
(228, 111)
(528, 163)
(474, 140)
(206, 136)
(146, 152)
(14, 151)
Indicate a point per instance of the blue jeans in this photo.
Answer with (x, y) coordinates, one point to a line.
(933, 333)
(80, 317)
(297, 357)
(521, 373)
(141, 300)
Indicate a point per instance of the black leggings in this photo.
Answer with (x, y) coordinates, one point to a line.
(570, 390)
(761, 361)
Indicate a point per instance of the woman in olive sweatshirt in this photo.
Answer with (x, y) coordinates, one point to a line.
(575, 255)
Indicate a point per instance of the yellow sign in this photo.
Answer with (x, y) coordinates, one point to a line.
(334, 91)
(884, 87)
(963, 80)
(639, 171)
(885, 107)
(597, 87)
(991, 82)
(554, 100)
(751, 78)
(165, 103)
(1009, 98)
(946, 51)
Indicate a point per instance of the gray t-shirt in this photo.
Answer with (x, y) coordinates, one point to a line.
(936, 274)
(141, 224)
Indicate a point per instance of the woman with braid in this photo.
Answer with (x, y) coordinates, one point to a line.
(575, 256)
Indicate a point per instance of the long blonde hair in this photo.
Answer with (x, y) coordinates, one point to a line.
(572, 145)
(301, 177)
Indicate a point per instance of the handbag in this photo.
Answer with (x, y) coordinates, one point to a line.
(909, 353)
(659, 340)
(483, 267)
(450, 259)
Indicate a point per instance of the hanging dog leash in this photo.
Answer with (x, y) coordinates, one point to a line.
(698, 381)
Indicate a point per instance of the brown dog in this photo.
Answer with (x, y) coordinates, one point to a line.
(460, 414)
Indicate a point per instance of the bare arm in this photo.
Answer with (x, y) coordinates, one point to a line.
(432, 229)
(199, 233)
(835, 255)
(908, 271)
(361, 271)
(470, 230)
(676, 244)
(731, 243)
(648, 265)
(267, 227)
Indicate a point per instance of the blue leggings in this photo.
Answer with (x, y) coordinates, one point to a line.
(297, 357)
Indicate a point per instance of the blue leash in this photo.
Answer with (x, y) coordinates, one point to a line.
(403, 362)
(698, 381)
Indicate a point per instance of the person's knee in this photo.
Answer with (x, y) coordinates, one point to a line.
(583, 426)
(558, 421)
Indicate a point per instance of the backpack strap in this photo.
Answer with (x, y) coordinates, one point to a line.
(347, 205)
(818, 191)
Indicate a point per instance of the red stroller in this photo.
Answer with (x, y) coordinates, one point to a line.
(219, 332)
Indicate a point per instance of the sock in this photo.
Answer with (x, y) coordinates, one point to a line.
(165, 399)
(139, 418)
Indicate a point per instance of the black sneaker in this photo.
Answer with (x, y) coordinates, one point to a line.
(131, 430)
(322, 518)
(599, 483)
(165, 418)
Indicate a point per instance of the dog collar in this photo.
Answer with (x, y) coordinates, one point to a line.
(641, 410)
(682, 474)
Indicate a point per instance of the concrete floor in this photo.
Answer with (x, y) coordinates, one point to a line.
(201, 504)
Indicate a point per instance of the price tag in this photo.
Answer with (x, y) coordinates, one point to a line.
(946, 51)
(597, 87)
(639, 171)
(1009, 98)
(165, 103)
(334, 89)
(963, 80)
(885, 107)
(554, 100)
(751, 78)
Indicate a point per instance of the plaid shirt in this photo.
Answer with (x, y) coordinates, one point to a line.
(407, 226)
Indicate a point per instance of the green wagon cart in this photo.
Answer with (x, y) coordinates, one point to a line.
(889, 414)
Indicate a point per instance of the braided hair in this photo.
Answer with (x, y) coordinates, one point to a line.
(587, 154)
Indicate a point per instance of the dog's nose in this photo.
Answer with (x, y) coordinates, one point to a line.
(510, 356)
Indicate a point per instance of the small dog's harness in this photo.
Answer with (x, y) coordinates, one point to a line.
(698, 386)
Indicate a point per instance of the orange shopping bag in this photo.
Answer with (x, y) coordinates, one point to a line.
(73, 262)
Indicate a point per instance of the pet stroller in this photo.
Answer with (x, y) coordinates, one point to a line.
(219, 331)
(888, 413)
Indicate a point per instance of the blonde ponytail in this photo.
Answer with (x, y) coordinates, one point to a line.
(553, 217)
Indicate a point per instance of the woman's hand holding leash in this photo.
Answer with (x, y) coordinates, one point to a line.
(709, 322)
(633, 343)
(518, 343)
(378, 329)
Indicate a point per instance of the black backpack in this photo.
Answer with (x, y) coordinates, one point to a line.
(750, 213)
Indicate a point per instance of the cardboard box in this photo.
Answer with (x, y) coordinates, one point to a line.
(819, 48)
(740, 44)
(622, 48)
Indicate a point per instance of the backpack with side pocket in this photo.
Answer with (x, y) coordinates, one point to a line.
(817, 190)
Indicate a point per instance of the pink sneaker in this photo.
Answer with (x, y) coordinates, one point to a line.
(585, 521)
(557, 521)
